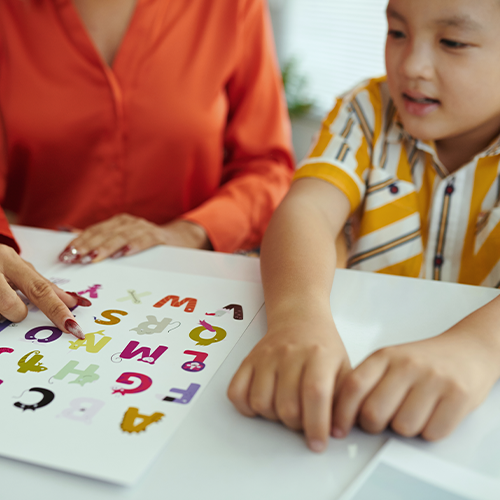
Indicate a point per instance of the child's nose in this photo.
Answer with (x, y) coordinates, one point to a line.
(418, 63)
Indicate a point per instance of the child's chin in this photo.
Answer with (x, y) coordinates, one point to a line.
(420, 132)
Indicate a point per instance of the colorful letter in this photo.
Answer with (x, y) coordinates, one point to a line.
(134, 296)
(7, 350)
(191, 303)
(195, 334)
(186, 395)
(82, 409)
(125, 378)
(152, 325)
(109, 315)
(92, 291)
(84, 376)
(197, 364)
(56, 333)
(32, 364)
(237, 311)
(130, 352)
(89, 342)
(47, 398)
(128, 422)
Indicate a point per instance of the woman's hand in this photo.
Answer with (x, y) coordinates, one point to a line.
(423, 388)
(291, 376)
(15, 273)
(126, 235)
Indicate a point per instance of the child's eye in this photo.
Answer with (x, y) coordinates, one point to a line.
(395, 34)
(452, 44)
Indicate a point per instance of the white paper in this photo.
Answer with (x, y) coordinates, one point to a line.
(401, 472)
(84, 428)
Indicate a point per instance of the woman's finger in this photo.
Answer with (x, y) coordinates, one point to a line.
(139, 238)
(92, 237)
(40, 292)
(11, 306)
(122, 235)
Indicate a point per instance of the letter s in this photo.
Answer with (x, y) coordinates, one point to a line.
(109, 315)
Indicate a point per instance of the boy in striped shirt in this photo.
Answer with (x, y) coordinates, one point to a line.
(412, 160)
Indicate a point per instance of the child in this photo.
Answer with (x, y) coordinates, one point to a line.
(415, 159)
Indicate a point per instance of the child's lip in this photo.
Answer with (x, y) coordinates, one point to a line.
(413, 95)
(418, 104)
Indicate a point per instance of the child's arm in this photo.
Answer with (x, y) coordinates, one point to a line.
(424, 387)
(292, 372)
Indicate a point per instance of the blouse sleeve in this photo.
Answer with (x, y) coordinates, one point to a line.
(258, 153)
(6, 237)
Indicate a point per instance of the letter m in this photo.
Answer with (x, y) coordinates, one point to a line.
(190, 302)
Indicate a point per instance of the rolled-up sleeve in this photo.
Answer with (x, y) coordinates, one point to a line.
(342, 152)
(258, 164)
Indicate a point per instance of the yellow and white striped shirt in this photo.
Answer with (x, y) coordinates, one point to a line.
(415, 219)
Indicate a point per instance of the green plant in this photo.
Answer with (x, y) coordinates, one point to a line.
(295, 83)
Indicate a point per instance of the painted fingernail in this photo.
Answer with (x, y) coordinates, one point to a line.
(69, 255)
(316, 445)
(74, 328)
(338, 433)
(121, 253)
(80, 301)
(89, 257)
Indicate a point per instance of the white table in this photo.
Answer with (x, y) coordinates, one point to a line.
(218, 454)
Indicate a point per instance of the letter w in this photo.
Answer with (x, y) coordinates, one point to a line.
(190, 302)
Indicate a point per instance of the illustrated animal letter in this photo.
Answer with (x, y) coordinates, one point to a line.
(151, 325)
(237, 311)
(195, 334)
(27, 364)
(197, 364)
(145, 383)
(86, 376)
(89, 342)
(92, 291)
(132, 350)
(190, 302)
(82, 409)
(47, 398)
(186, 395)
(128, 422)
(55, 334)
(110, 316)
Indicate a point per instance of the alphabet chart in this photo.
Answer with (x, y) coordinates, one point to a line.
(104, 407)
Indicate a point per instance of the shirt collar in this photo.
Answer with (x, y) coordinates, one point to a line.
(396, 133)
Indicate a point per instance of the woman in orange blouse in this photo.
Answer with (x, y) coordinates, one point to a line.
(140, 122)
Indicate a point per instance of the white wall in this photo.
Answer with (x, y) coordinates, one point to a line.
(338, 43)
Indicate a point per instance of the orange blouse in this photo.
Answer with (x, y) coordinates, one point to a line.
(190, 120)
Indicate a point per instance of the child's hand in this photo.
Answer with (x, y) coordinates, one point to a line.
(425, 387)
(291, 376)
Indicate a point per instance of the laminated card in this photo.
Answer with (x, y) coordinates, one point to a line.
(105, 406)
